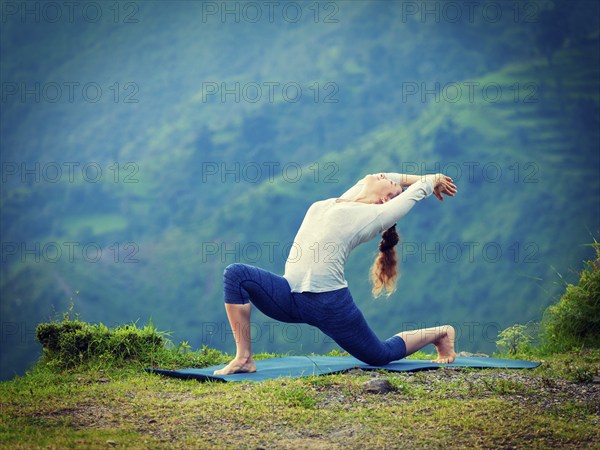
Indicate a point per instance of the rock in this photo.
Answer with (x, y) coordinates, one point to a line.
(377, 386)
(112, 443)
(596, 379)
(355, 371)
(478, 355)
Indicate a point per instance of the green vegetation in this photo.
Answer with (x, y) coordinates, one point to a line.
(515, 339)
(70, 343)
(73, 344)
(574, 321)
(119, 405)
(572, 324)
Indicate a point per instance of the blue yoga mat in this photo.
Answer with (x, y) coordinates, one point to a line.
(304, 366)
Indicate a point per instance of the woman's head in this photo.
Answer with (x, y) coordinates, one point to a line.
(377, 188)
(384, 272)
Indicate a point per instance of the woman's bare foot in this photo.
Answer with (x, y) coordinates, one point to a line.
(238, 365)
(445, 347)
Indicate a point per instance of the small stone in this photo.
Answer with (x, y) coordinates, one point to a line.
(477, 355)
(596, 379)
(355, 371)
(112, 443)
(103, 380)
(377, 386)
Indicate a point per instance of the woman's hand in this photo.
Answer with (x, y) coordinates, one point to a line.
(443, 184)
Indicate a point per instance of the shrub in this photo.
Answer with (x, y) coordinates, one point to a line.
(574, 322)
(515, 339)
(71, 342)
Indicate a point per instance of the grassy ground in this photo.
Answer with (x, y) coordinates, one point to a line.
(553, 406)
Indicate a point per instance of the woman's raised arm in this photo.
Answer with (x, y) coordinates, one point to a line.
(442, 184)
(404, 179)
(393, 210)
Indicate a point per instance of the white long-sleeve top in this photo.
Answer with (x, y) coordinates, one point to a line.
(331, 230)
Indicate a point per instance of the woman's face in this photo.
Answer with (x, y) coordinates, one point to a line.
(382, 187)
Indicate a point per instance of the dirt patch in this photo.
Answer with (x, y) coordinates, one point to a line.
(463, 385)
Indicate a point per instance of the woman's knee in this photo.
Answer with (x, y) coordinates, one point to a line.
(376, 359)
(233, 276)
(383, 352)
(374, 353)
(234, 271)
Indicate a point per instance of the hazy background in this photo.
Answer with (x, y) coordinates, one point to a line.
(146, 145)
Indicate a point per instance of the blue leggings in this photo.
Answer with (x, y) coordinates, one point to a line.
(334, 312)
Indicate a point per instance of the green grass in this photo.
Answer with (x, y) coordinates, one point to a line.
(124, 407)
(89, 390)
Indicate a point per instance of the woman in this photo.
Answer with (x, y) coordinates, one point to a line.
(313, 289)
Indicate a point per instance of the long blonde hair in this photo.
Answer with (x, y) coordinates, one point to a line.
(384, 272)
